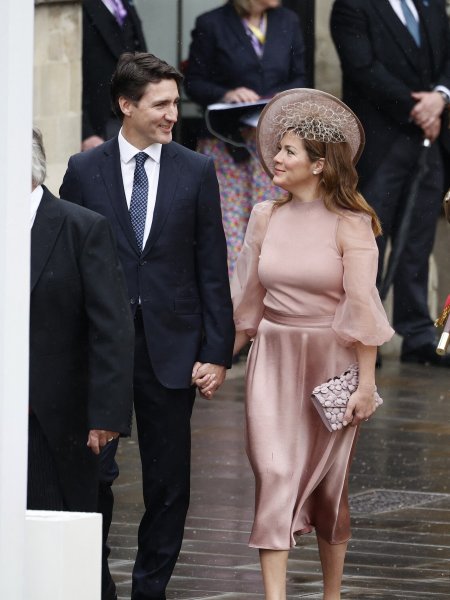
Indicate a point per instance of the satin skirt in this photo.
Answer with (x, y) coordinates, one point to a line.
(300, 468)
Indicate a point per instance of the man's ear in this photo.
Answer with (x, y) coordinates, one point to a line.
(126, 106)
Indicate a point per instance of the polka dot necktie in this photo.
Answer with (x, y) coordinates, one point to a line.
(139, 198)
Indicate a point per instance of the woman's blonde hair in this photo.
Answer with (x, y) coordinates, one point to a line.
(339, 180)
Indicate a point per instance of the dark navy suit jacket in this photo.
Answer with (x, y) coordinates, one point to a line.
(181, 275)
(222, 57)
(382, 65)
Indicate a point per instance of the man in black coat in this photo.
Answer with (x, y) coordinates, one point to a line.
(81, 349)
(110, 27)
(163, 203)
(395, 57)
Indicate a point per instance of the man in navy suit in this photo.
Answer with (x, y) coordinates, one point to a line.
(163, 203)
(395, 57)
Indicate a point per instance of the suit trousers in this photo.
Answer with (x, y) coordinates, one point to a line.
(44, 491)
(164, 432)
(387, 191)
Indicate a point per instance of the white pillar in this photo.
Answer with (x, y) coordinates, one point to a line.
(16, 52)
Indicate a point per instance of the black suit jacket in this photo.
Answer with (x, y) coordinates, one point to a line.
(382, 65)
(81, 341)
(103, 42)
(222, 57)
(181, 276)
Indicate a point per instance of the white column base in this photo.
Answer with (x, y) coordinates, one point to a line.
(63, 555)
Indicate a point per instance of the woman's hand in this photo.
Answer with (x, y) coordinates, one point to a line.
(362, 402)
(361, 405)
(241, 94)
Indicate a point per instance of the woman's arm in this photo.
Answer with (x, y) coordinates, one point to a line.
(362, 402)
(241, 340)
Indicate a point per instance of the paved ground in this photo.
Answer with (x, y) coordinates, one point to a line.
(400, 492)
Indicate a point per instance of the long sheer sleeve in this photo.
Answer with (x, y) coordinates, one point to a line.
(360, 315)
(247, 291)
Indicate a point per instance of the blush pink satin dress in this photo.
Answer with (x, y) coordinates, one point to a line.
(304, 287)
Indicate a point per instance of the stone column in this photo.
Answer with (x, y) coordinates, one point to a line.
(57, 82)
(16, 50)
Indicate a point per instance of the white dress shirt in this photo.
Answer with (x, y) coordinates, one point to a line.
(36, 197)
(151, 165)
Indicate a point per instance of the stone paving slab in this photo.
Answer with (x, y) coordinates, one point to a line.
(400, 497)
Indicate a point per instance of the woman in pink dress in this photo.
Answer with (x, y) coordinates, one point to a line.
(304, 291)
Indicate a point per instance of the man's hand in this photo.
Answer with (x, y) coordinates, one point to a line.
(428, 109)
(432, 132)
(241, 94)
(208, 378)
(91, 142)
(98, 438)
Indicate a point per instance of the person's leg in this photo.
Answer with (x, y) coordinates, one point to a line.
(411, 314)
(163, 426)
(332, 558)
(274, 567)
(44, 490)
(108, 472)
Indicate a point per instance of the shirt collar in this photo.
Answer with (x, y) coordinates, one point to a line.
(128, 151)
(36, 197)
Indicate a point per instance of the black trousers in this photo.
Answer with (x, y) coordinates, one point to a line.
(386, 191)
(43, 490)
(163, 425)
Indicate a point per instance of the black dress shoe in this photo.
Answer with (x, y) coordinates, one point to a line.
(426, 355)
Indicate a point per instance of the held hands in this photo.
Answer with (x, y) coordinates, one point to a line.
(208, 378)
(427, 113)
(360, 406)
(98, 438)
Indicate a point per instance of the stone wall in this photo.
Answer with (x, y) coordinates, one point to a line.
(327, 67)
(57, 82)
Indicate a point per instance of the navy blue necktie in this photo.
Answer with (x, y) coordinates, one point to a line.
(411, 23)
(139, 198)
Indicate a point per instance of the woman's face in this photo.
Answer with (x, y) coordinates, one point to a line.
(293, 170)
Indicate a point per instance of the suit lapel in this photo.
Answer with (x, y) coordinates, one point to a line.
(106, 25)
(44, 233)
(429, 25)
(399, 32)
(111, 172)
(273, 36)
(169, 172)
(234, 24)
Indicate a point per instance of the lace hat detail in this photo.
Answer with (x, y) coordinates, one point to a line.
(309, 114)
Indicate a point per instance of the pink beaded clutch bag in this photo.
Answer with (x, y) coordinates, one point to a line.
(331, 398)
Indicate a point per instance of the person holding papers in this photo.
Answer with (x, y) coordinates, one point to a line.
(242, 52)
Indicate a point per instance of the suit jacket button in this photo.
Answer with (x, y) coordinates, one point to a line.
(132, 301)
(143, 262)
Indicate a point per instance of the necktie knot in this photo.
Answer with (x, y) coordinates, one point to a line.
(140, 159)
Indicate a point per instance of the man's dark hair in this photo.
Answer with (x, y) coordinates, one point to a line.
(134, 71)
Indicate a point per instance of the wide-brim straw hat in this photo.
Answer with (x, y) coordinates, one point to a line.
(310, 104)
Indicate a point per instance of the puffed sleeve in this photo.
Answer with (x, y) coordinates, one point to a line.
(360, 315)
(246, 290)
